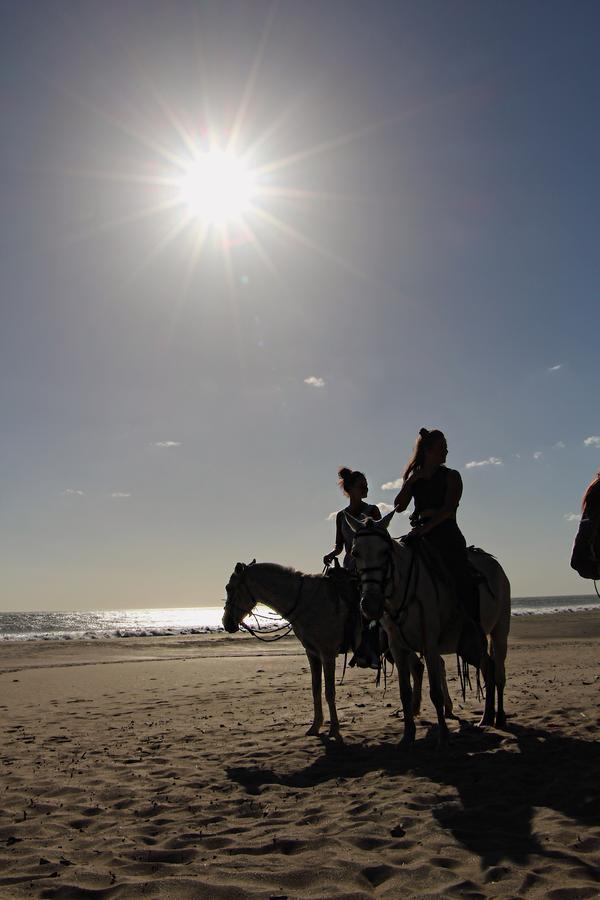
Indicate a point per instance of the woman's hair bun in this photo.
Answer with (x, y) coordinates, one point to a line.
(423, 432)
(344, 472)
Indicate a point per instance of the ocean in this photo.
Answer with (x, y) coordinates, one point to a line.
(102, 624)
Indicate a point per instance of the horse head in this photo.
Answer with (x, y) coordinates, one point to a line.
(240, 600)
(372, 550)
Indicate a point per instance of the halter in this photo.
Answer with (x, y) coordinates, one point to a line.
(253, 601)
(386, 572)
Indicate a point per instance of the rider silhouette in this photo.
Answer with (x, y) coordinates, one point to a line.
(436, 491)
(355, 487)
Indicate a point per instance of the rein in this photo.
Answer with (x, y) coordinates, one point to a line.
(284, 630)
(386, 574)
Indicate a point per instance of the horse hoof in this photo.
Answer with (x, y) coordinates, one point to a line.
(335, 736)
(313, 731)
(407, 740)
(501, 721)
(486, 722)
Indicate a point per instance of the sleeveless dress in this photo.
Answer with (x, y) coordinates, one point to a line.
(447, 538)
(368, 509)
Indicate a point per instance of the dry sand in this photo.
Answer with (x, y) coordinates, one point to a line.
(179, 768)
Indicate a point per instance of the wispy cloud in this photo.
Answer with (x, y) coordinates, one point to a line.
(166, 444)
(559, 445)
(392, 485)
(120, 495)
(592, 441)
(572, 517)
(490, 461)
(538, 454)
(555, 368)
(73, 492)
(315, 381)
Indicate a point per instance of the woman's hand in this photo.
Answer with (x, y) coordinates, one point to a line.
(329, 558)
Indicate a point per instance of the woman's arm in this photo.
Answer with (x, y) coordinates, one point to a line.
(454, 490)
(339, 540)
(375, 513)
(405, 496)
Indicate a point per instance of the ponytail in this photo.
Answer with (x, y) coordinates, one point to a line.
(424, 442)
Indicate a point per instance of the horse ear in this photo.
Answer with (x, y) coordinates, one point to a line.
(385, 521)
(239, 568)
(253, 562)
(353, 524)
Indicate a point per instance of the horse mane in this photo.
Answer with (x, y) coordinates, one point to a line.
(278, 569)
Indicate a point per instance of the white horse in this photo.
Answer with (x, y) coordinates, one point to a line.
(319, 619)
(420, 612)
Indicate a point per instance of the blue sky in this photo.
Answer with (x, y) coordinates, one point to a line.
(425, 251)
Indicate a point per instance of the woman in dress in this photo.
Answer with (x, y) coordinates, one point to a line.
(355, 487)
(436, 491)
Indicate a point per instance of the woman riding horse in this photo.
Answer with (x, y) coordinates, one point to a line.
(436, 491)
(355, 487)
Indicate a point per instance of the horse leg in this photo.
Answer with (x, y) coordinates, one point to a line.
(315, 671)
(434, 671)
(499, 647)
(489, 713)
(403, 661)
(329, 672)
(448, 705)
(416, 670)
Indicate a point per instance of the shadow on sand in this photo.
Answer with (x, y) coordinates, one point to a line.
(501, 779)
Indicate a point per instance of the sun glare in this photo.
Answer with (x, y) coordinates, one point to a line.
(217, 188)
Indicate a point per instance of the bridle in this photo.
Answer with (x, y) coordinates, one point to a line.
(248, 610)
(387, 572)
(382, 576)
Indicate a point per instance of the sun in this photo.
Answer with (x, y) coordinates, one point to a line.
(217, 188)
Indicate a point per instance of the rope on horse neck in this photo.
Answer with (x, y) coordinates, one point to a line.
(286, 628)
(263, 638)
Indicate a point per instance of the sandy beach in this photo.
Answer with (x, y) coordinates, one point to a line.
(178, 767)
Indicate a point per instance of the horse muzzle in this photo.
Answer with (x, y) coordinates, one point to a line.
(229, 623)
(371, 605)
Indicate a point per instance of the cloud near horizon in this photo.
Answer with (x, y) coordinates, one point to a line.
(538, 454)
(392, 485)
(166, 444)
(592, 441)
(120, 495)
(315, 381)
(490, 461)
(555, 368)
(572, 517)
(73, 492)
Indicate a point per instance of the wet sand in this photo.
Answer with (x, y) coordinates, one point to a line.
(178, 767)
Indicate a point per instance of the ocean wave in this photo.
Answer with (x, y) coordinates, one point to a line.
(553, 610)
(108, 635)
